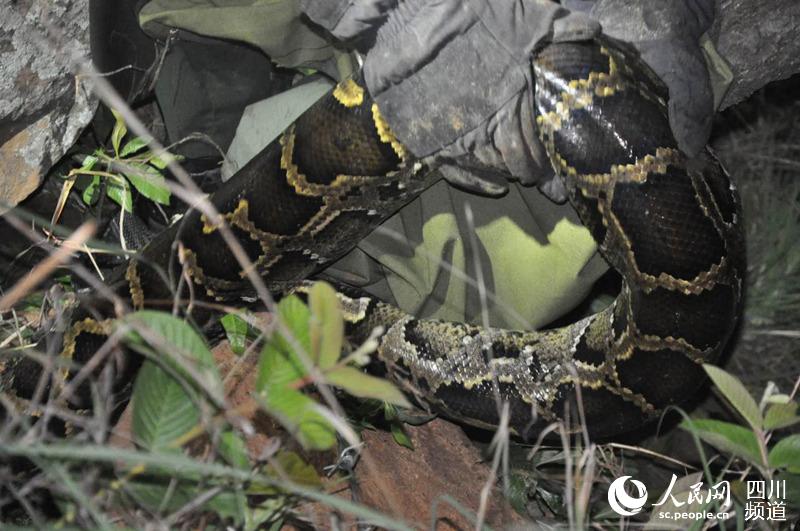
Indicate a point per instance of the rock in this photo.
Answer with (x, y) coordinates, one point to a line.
(413, 485)
(759, 40)
(43, 106)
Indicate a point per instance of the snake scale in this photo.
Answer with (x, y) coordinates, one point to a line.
(668, 224)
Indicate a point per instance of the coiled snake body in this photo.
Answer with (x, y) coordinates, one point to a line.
(669, 225)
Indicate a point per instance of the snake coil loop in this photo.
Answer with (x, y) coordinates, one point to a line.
(669, 225)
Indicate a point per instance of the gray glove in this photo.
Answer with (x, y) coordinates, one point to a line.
(667, 35)
(453, 77)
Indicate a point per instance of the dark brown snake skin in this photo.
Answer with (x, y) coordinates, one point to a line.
(670, 226)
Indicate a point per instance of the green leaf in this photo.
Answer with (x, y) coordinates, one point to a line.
(236, 329)
(290, 465)
(183, 342)
(786, 454)
(727, 437)
(297, 413)
(163, 160)
(779, 399)
(792, 488)
(400, 436)
(162, 410)
(120, 193)
(362, 385)
(149, 182)
(732, 389)
(65, 281)
(268, 510)
(519, 491)
(88, 162)
(280, 367)
(294, 315)
(327, 325)
(133, 146)
(233, 450)
(277, 368)
(92, 190)
(177, 333)
(781, 415)
(119, 132)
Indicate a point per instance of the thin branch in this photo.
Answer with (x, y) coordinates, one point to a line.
(47, 266)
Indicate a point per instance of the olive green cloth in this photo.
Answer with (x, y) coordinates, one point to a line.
(534, 258)
(274, 26)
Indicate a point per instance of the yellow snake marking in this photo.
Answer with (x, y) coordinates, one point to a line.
(549, 122)
(635, 398)
(293, 176)
(598, 333)
(298, 180)
(336, 203)
(188, 260)
(579, 94)
(349, 93)
(649, 342)
(590, 384)
(627, 173)
(92, 326)
(240, 218)
(709, 210)
(708, 204)
(386, 135)
(135, 284)
(262, 265)
(240, 210)
(208, 228)
(237, 218)
(704, 280)
(320, 220)
(589, 183)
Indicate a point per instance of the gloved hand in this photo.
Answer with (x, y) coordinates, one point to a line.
(453, 79)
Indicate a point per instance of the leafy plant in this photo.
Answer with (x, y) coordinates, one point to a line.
(754, 440)
(167, 406)
(307, 349)
(178, 399)
(124, 166)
